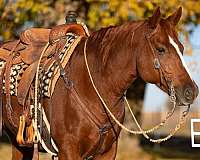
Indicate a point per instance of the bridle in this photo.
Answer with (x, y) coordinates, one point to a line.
(163, 77)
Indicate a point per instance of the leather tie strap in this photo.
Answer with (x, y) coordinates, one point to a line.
(7, 83)
(1, 101)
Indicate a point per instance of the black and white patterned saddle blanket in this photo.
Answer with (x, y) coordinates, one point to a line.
(46, 88)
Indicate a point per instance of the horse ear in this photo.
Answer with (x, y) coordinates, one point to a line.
(155, 19)
(175, 17)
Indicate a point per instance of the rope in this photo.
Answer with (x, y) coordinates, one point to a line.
(141, 131)
(36, 95)
(84, 27)
(169, 114)
(178, 126)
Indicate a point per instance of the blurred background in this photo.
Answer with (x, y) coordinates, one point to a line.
(149, 103)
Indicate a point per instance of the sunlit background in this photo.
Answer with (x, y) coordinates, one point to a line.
(150, 104)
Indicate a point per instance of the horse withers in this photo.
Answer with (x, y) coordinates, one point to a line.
(116, 56)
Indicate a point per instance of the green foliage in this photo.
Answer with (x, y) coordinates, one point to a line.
(15, 14)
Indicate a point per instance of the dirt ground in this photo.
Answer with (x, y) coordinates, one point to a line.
(129, 149)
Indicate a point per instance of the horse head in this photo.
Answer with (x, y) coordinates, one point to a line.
(161, 60)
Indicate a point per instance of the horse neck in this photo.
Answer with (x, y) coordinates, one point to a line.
(114, 62)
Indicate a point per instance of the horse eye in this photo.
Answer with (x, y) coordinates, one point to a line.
(161, 50)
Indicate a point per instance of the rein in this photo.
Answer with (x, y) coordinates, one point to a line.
(141, 131)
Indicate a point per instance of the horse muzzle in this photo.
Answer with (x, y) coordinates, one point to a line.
(187, 94)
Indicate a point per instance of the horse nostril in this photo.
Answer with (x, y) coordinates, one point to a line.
(188, 93)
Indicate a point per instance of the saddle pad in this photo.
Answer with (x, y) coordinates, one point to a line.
(49, 77)
(15, 76)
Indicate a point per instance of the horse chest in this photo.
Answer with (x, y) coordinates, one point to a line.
(106, 135)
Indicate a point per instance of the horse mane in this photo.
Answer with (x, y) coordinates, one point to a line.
(106, 39)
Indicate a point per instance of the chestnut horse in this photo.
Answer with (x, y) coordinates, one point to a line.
(80, 126)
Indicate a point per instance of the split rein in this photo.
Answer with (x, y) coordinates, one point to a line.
(141, 131)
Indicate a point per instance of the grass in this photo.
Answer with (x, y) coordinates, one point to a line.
(129, 149)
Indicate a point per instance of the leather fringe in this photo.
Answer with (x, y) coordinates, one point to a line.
(35, 152)
(1, 107)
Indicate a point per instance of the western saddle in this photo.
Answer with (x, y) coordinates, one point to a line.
(33, 41)
(28, 50)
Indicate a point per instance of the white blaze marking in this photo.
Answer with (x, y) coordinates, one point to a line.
(180, 55)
